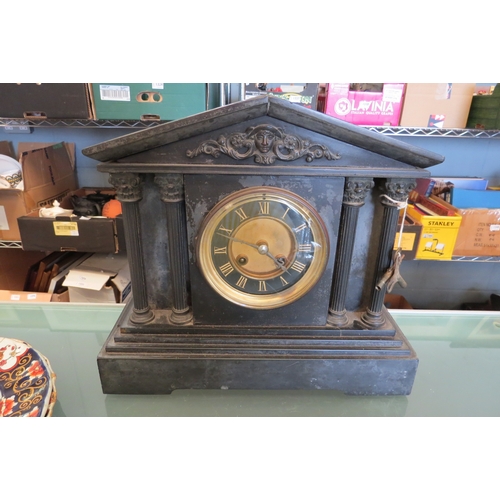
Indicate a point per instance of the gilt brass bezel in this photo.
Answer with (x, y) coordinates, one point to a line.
(302, 285)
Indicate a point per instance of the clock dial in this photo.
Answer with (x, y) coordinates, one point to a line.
(262, 247)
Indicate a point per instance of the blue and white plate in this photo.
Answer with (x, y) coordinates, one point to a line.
(26, 380)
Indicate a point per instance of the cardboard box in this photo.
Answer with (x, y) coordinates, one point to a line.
(48, 175)
(479, 234)
(410, 238)
(393, 301)
(148, 101)
(7, 149)
(304, 94)
(440, 105)
(80, 234)
(69, 234)
(75, 234)
(15, 265)
(365, 108)
(45, 100)
(100, 278)
(439, 232)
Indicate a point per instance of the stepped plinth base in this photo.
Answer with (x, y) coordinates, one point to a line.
(160, 358)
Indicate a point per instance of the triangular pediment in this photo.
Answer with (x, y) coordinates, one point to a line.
(293, 123)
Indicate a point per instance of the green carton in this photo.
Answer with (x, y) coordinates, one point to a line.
(148, 101)
(485, 111)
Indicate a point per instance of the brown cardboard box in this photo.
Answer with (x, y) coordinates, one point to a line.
(7, 149)
(393, 301)
(48, 174)
(479, 234)
(75, 234)
(441, 105)
(14, 267)
(45, 100)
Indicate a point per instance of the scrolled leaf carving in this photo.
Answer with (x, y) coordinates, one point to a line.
(266, 144)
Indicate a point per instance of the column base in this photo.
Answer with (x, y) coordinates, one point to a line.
(141, 317)
(371, 320)
(338, 319)
(180, 317)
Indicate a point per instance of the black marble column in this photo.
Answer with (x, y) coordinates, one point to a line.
(355, 192)
(396, 191)
(129, 193)
(172, 194)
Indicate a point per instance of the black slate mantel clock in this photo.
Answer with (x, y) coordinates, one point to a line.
(257, 235)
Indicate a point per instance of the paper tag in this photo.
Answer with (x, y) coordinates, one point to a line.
(15, 297)
(158, 85)
(407, 241)
(114, 92)
(65, 228)
(392, 95)
(494, 227)
(4, 225)
(91, 280)
(31, 296)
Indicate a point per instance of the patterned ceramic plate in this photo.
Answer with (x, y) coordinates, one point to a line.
(25, 380)
(53, 395)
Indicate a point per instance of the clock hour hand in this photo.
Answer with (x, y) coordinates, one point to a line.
(275, 260)
(262, 249)
(232, 238)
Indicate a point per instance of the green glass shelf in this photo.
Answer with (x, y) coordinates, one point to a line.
(458, 374)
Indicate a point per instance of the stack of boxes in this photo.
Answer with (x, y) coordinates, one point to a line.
(459, 217)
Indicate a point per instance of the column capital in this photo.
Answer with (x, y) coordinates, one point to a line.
(397, 191)
(128, 186)
(171, 187)
(356, 189)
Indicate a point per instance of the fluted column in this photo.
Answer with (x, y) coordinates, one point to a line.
(172, 194)
(355, 192)
(395, 192)
(129, 193)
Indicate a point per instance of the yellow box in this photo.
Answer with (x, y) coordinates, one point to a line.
(439, 235)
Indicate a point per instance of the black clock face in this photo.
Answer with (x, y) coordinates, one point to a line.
(262, 247)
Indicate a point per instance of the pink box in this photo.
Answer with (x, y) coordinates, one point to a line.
(366, 108)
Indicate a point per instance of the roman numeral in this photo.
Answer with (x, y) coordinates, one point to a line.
(262, 286)
(242, 282)
(298, 266)
(242, 214)
(286, 211)
(228, 231)
(305, 248)
(226, 269)
(300, 228)
(264, 207)
(283, 281)
(220, 250)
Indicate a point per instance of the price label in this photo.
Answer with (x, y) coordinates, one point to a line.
(65, 228)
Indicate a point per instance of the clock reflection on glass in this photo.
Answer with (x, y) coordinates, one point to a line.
(262, 247)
